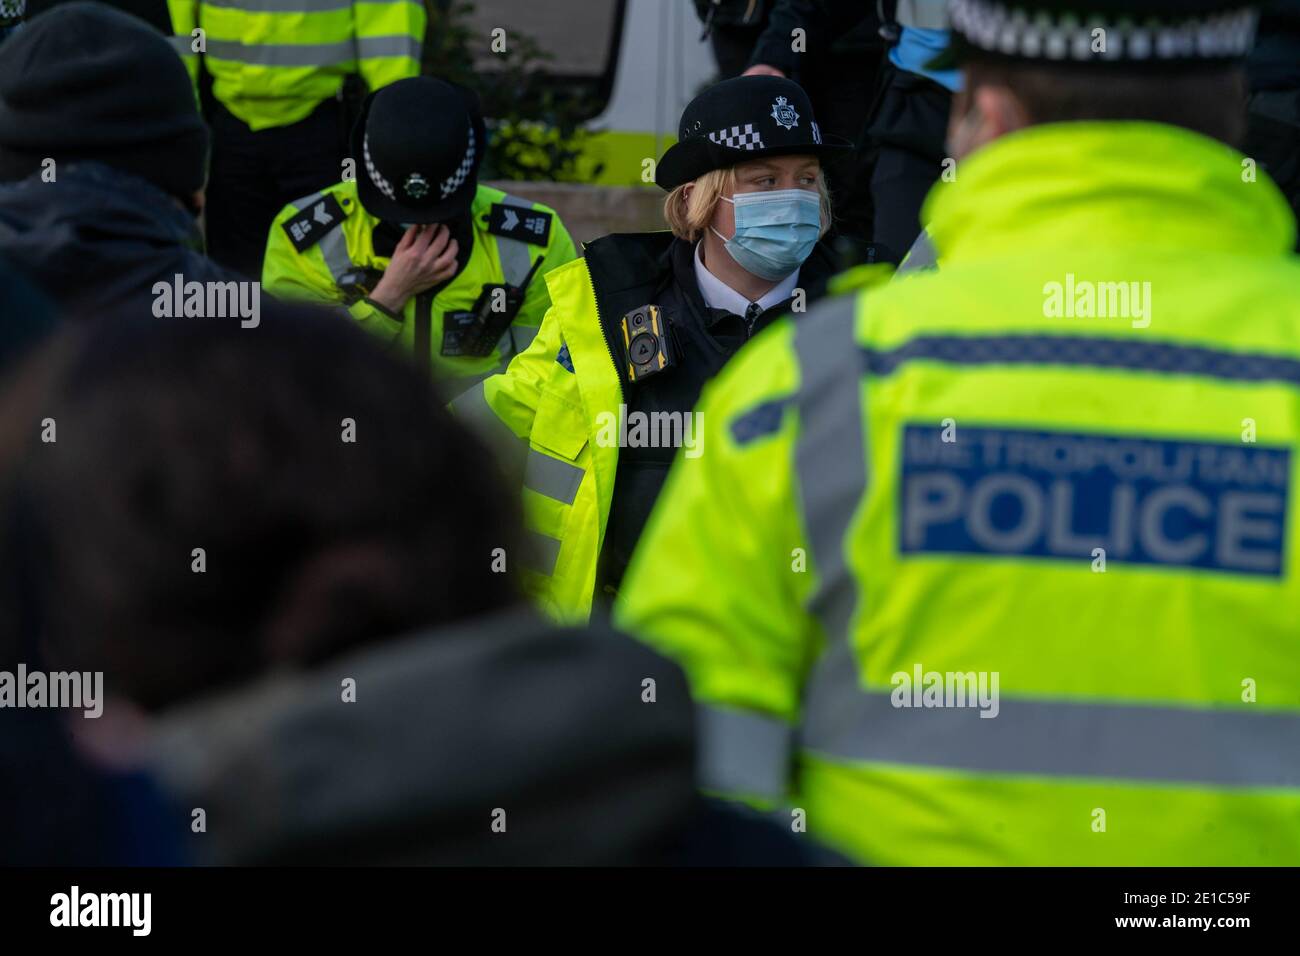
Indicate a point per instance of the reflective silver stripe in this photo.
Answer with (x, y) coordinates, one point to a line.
(923, 14)
(473, 409)
(282, 6)
(830, 453)
(399, 45)
(314, 54)
(830, 461)
(920, 257)
(742, 753)
(456, 384)
(299, 204)
(516, 256)
(1222, 747)
(290, 6)
(522, 336)
(334, 246)
(543, 552)
(552, 477)
(285, 54)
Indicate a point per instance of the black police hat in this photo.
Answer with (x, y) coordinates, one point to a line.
(1157, 34)
(741, 119)
(418, 144)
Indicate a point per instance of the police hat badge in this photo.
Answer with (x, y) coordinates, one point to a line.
(416, 186)
(784, 113)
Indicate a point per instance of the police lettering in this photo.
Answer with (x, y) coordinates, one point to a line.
(1058, 495)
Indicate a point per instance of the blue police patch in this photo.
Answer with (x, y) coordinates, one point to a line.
(1059, 495)
(563, 358)
(764, 419)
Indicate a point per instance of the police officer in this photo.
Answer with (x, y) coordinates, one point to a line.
(999, 563)
(908, 122)
(421, 254)
(834, 50)
(602, 401)
(732, 28)
(276, 80)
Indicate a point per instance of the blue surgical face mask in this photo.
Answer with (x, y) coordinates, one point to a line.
(775, 231)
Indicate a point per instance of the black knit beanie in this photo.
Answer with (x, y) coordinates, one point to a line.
(84, 81)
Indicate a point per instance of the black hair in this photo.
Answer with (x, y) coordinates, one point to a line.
(334, 499)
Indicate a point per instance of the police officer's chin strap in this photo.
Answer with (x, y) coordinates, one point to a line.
(462, 230)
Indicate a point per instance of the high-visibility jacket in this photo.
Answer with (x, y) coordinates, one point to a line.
(340, 265)
(272, 64)
(550, 414)
(973, 573)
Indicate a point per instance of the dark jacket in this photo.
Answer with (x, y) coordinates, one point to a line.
(96, 239)
(733, 13)
(28, 317)
(1274, 64)
(837, 34)
(447, 730)
(630, 270)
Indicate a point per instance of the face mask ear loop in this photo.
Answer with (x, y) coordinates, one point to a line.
(715, 232)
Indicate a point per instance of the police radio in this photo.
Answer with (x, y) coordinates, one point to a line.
(476, 332)
(646, 339)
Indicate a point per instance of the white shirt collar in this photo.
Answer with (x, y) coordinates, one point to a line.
(718, 295)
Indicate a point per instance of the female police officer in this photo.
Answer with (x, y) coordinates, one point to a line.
(595, 408)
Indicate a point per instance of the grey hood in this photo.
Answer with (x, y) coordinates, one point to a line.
(448, 727)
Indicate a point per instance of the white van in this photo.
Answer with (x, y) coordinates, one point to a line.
(643, 61)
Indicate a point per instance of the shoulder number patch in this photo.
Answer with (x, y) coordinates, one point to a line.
(311, 223)
(516, 222)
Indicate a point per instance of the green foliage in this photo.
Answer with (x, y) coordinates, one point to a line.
(537, 124)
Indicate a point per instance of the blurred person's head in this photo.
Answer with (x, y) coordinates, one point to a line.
(84, 82)
(745, 177)
(220, 502)
(1177, 62)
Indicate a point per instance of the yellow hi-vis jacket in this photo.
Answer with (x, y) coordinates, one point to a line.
(537, 417)
(340, 265)
(273, 63)
(1000, 563)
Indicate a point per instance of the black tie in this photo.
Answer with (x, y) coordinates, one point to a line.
(752, 314)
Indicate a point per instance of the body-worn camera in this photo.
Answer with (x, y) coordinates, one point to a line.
(646, 340)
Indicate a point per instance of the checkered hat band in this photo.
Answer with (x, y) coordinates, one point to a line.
(738, 137)
(12, 9)
(456, 179)
(382, 184)
(1000, 28)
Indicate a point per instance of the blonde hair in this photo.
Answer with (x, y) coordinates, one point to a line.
(688, 217)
